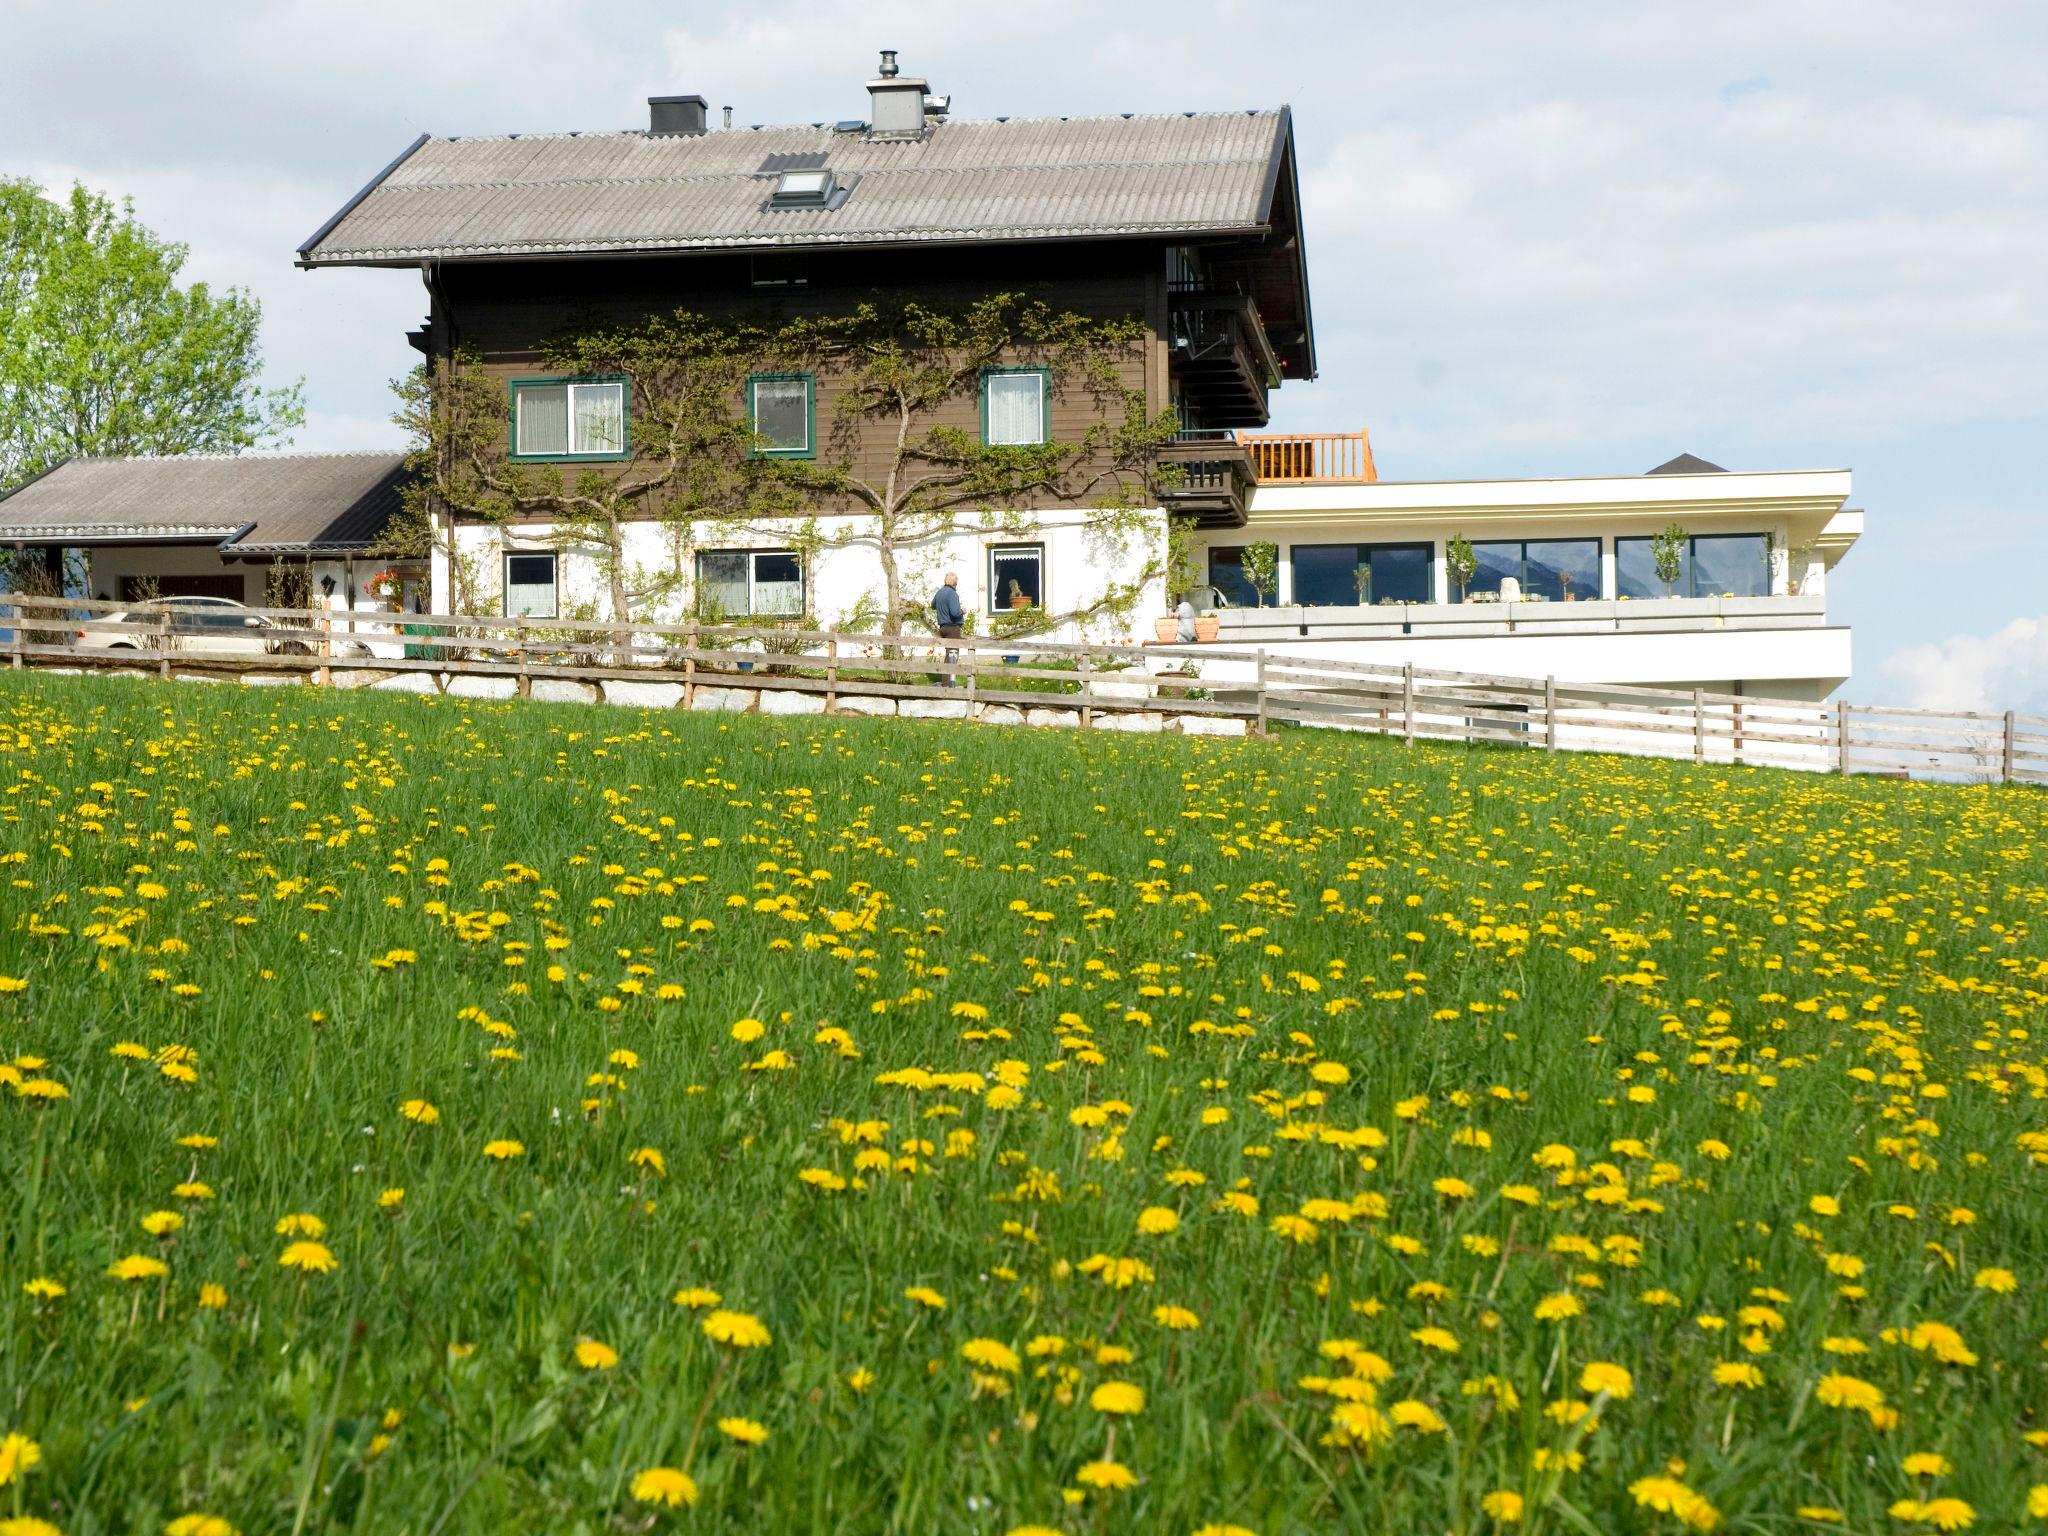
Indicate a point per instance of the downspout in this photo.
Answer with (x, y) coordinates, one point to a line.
(440, 370)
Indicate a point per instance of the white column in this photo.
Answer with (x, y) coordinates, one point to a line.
(1609, 585)
(1440, 572)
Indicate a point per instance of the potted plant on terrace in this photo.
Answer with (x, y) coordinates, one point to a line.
(1461, 563)
(1262, 570)
(1667, 554)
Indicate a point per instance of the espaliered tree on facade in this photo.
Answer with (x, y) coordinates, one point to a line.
(891, 471)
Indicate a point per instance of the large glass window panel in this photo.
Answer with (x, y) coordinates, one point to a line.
(600, 417)
(1226, 575)
(1731, 565)
(722, 581)
(543, 418)
(1562, 570)
(1635, 572)
(782, 414)
(530, 586)
(1347, 575)
(1495, 560)
(1015, 408)
(1400, 573)
(778, 583)
(1015, 570)
(1325, 574)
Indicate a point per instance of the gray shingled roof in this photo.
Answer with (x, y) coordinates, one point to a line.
(289, 503)
(1021, 179)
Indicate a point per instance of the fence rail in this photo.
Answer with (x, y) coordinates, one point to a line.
(1225, 689)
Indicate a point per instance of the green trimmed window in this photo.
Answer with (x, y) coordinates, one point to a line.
(782, 411)
(1016, 407)
(563, 419)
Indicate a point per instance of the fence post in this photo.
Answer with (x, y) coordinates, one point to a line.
(1699, 725)
(1842, 736)
(831, 672)
(1408, 703)
(2005, 757)
(1087, 693)
(323, 675)
(14, 635)
(1738, 729)
(524, 685)
(689, 661)
(1550, 714)
(1264, 728)
(967, 654)
(163, 642)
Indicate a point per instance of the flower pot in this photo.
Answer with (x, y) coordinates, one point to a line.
(1020, 601)
(1208, 627)
(1166, 628)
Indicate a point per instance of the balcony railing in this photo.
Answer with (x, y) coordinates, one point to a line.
(1304, 458)
(1214, 479)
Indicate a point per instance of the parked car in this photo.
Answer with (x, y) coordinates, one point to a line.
(203, 626)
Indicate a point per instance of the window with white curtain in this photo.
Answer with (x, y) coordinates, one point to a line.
(1014, 407)
(568, 418)
(530, 586)
(749, 583)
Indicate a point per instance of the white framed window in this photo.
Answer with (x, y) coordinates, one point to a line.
(1015, 407)
(749, 583)
(568, 418)
(1015, 571)
(530, 585)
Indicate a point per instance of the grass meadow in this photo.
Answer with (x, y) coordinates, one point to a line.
(432, 1116)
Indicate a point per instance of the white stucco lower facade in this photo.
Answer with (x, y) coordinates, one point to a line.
(1099, 575)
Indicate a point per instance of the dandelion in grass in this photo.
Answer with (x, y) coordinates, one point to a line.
(503, 1150)
(308, 1257)
(1107, 1476)
(739, 1330)
(18, 1454)
(664, 1486)
(743, 1431)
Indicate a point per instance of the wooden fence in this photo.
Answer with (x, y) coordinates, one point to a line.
(1196, 688)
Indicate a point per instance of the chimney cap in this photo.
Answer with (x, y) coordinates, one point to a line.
(676, 116)
(668, 100)
(888, 64)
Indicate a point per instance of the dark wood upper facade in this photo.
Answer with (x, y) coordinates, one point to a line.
(1206, 253)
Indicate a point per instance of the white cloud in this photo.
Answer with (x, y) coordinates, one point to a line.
(2007, 669)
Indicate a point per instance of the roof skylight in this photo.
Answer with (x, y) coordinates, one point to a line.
(803, 189)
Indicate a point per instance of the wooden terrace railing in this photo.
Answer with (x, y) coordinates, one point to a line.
(1304, 458)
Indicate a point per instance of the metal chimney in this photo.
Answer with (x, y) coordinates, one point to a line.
(676, 114)
(896, 102)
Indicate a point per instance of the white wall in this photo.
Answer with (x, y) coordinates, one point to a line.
(1082, 562)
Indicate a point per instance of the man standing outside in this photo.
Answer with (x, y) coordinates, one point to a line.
(950, 616)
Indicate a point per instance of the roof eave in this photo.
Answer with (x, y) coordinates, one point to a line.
(364, 191)
(628, 251)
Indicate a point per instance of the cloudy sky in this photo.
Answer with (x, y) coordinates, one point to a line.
(1544, 238)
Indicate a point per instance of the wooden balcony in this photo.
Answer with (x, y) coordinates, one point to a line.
(1221, 356)
(1213, 479)
(1309, 458)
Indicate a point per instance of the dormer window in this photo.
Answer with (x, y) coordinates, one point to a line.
(803, 189)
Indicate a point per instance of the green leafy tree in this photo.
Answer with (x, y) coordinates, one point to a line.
(101, 352)
(1262, 570)
(1461, 562)
(887, 456)
(1668, 548)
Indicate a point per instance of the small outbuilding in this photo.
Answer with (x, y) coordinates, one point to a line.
(218, 526)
